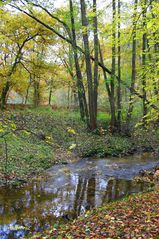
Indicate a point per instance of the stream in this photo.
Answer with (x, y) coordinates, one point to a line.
(67, 191)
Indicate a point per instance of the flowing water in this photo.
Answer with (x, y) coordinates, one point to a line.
(68, 191)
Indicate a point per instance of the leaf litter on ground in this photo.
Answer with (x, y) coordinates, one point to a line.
(136, 217)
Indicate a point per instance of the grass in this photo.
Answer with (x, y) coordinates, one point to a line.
(25, 158)
(33, 149)
(42, 139)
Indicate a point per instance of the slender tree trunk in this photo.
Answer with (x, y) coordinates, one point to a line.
(156, 60)
(50, 91)
(119, 72)
(68, 96)
(27, 92)
(4, 95)
(93, 124)
(96, 49)
(113, 115)
(36, 93)
(75, 99)
(133, 76)
(144, 48)
(156, 50)
(107, 87)
(80, 87)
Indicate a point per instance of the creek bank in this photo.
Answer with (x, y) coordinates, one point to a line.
(41, 139)
(150, 176)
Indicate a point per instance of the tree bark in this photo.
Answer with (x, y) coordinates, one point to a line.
(4, 95)
(96, 49)
(92, 123)
(144, 48)
(36, 93)
(113, 115)
(107, 88)
(27, 92)
(119, 72)
(50, 91)
(133, 76)
(156, 50)
(81, 91)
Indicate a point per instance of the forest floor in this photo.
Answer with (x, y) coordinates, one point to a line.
(134, 217)
(41, 138)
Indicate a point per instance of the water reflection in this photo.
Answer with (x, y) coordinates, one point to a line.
(67, 193)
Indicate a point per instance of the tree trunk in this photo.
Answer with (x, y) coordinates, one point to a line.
(92, 122)
(113, 116)
(133, 76)
(36, 93)
(144, 48)
(111, 102)
(68, 96)
(4, 95)
(96, 48)
(119, 72)
(80, 87)
(156, 50)
(50, 91)
(27, 92)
